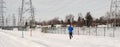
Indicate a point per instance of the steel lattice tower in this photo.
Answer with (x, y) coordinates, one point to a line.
(2, 12)
(26, 7)
(115, 10)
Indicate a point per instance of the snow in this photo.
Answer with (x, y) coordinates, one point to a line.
(102, 26)
(13, 38)
(10, 40)
(58, 26)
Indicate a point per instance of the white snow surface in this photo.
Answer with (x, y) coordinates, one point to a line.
(13, 38)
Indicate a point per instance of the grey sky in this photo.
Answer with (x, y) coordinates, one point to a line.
(48, 9)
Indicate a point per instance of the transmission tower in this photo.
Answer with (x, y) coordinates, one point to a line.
(26, 7)
(13, 20)
(2, 12)
(115, 10)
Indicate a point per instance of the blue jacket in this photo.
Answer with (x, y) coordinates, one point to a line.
(70, 29)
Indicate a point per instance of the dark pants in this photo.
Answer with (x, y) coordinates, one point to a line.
(70, 35)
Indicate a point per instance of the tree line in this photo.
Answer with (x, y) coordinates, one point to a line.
(88, 21)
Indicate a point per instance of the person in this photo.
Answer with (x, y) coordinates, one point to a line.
(70, 28)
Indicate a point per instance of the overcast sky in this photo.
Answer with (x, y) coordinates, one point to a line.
(48, 9)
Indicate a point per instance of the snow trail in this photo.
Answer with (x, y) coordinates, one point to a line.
(62, 40)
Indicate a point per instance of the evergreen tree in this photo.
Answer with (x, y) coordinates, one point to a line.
(79, 19)
(89, 19)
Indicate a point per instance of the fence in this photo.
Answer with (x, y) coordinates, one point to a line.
(96, 31)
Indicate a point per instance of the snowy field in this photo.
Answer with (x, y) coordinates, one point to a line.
(14, 38)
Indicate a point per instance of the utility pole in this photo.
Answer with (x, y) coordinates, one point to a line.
(6, 21)
(26, 7)
(2, 12)
(19, 16)
(14, 20)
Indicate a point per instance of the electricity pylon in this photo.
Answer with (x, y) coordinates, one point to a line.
(26, 7)
(114, 11)
(2, 12)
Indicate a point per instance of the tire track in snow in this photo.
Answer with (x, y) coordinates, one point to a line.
(6, 41)
(27, 42)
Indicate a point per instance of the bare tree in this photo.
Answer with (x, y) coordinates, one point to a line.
(70, 19)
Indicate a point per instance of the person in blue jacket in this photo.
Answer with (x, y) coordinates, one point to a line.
(70, 29)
